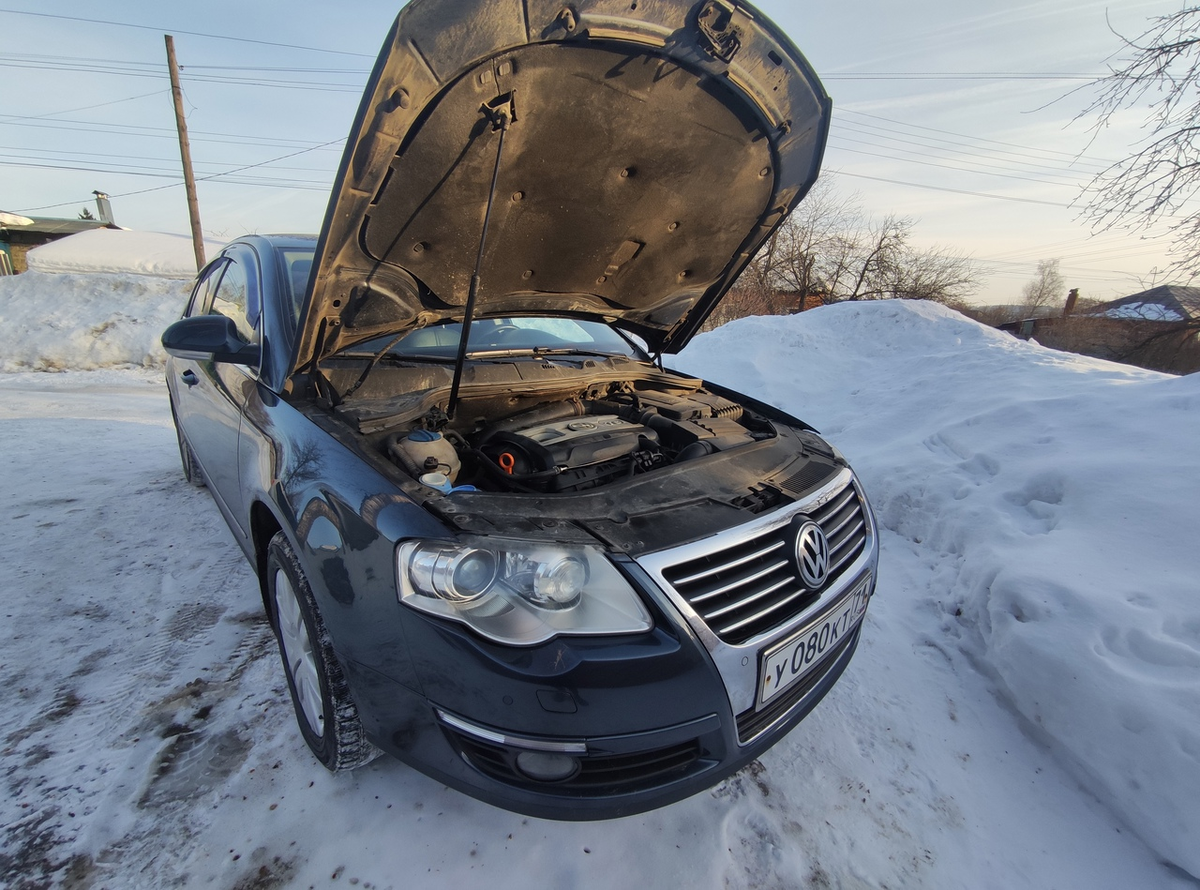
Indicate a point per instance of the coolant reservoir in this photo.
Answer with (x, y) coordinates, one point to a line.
(424, 451)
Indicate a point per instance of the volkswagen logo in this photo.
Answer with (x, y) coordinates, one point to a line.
(812, 555)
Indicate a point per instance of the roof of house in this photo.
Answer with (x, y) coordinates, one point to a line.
(1167, 302)
(47, 226)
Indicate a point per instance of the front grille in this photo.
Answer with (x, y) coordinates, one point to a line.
(753, 586)
(752, 722)
(597, 776)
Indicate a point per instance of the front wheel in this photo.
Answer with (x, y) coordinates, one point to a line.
(327, 715)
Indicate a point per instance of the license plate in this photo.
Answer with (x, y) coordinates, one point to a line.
(787, 663)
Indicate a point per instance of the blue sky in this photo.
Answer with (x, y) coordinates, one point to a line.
(958, 114)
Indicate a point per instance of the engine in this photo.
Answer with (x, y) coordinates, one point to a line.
(577, 445)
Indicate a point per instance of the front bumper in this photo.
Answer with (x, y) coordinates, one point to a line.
(636, 722)
(619, 775)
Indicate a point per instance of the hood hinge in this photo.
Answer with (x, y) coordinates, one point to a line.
(718, 35)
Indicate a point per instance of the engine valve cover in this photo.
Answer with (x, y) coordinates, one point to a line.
(587, 451)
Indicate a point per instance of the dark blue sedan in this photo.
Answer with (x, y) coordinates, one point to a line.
(495, 536)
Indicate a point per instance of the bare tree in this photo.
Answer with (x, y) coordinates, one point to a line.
(943, 276)
(1046, 289)
(866, 269)
(799, 256)
(828, 250)
(1158, 182)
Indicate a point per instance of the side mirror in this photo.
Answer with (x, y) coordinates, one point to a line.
(210, 338)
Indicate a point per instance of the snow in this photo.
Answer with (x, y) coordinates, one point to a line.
(97, 299)
(1145, 311)
(69, 320)
(1021, 712)
(121, 251)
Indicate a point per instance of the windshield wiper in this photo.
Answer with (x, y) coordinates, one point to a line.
(537, 351)
(567, 350)
(410, 357)
(375, 359)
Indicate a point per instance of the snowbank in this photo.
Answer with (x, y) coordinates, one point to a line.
(98, 299)
(51, 322)
(1038, 516)
(118, 251)
(1057, 499)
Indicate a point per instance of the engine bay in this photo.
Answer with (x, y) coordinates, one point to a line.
(541, 442)
(575, 444)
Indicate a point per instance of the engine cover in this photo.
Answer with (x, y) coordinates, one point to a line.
(568, 455)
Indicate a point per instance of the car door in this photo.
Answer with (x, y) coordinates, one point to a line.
(210, 396)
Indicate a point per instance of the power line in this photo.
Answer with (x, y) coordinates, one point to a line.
(1048, 249)
(959, 75)
(30, 117)
(1065, 154)
(19, 154)
(1024, 159)
(1006, 175)
(307, 86)
(149, 132)
(161, 30)
(68, 60)
(223, 177)
(940, 188)
(294, 184)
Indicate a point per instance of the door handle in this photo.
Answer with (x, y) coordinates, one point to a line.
(190, 378)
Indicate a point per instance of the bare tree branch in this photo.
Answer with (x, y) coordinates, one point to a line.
(828, 251)
(1047, 289)
(1158, 183)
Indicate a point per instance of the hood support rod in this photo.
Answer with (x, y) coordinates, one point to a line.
(501, 113)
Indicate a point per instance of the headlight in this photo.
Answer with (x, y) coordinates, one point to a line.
(518, 592)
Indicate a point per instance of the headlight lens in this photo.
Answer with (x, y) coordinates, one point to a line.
(518, 592)
(455, 575)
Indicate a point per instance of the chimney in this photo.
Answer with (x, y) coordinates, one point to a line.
(1072, 297)
(104, 208)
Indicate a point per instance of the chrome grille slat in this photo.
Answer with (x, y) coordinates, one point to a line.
(849, 555)
(724, 610)
(729, 565)
(740, 582)
(763, 613)
(850, 538)
(831, 507)
(831, 533)
(752, 585)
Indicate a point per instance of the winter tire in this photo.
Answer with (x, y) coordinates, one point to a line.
(327, 715)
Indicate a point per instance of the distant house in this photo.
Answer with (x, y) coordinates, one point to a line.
(1157, 328)
(20, 234)
(16, 241)
(1022, 322)
(1165, 303)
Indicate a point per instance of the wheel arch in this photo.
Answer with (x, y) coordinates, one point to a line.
(263, 527)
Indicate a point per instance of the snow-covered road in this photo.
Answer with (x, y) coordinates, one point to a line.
(149, 741)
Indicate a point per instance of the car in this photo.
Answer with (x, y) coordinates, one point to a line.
(496, 537)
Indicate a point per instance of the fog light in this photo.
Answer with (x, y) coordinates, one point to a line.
(545, 767)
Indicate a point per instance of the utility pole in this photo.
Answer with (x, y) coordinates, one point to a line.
(185, 152)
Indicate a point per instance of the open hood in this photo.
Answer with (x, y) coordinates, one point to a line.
(634, 156)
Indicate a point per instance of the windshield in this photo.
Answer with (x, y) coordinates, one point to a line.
(296, 268)
(504, 336)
